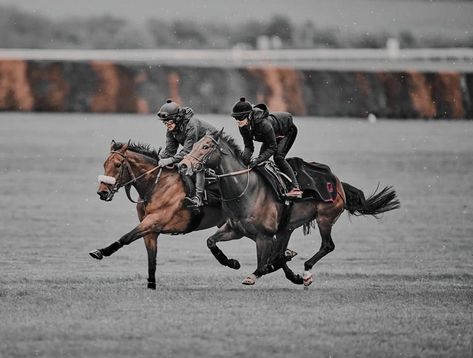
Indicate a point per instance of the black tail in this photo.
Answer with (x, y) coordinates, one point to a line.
(377, 203)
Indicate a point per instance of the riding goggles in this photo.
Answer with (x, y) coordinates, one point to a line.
(164, 116)
(241, 116)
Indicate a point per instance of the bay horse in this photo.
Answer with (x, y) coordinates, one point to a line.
(161, 209)
(254, 211)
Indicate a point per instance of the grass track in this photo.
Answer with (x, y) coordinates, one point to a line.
(399, 286)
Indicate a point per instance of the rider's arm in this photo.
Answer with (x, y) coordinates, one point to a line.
(270, 145)
(171, 146)
(248, 141)
(191, 137)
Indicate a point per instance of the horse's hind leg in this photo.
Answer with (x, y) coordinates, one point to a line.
(225, 233)
(327, 246)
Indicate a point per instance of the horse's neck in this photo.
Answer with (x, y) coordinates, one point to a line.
(239, 184)
(139, 164)
(229, 163)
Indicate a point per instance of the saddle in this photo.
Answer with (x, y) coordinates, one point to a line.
(315, 179)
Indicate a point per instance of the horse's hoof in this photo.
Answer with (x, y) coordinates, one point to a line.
(152, 285)
(308, 278)
(249, 280)
(234, 264)
(96, 254)
(289, 254)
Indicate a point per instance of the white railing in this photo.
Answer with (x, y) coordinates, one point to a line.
(330, 59)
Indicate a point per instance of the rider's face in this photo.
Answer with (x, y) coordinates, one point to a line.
(170, 125)
(242, 122)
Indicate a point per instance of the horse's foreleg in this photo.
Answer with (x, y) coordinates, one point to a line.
(148, 225)
(291, 276)
(225, 233)
(151, 243)
(278, 257)
(264, 245)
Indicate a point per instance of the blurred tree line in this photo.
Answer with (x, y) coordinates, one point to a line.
(21, 29)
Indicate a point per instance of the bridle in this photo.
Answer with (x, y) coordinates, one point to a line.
(201, 163)
(125, 165)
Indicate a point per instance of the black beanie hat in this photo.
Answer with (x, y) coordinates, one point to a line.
(241, 109)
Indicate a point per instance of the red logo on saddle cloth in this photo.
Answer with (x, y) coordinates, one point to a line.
(330, 187)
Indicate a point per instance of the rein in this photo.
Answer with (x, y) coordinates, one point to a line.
(233, 174)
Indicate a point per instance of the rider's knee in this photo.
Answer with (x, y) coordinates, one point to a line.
(278, 159)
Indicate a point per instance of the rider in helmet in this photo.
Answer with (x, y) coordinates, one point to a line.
(276, 131)
(183, 129)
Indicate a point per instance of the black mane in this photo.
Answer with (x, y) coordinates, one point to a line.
(140, 148)
(233, 146)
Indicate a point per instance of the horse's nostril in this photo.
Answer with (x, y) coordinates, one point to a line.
(102, 194)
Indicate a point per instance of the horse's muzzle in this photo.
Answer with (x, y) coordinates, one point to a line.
(105, 195)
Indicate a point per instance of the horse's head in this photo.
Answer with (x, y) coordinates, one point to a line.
(205, 153)
(116, 172)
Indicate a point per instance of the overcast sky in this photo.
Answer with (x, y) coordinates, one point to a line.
(425, 16)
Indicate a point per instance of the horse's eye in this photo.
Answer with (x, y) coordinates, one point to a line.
(205, 146)
(117, 165)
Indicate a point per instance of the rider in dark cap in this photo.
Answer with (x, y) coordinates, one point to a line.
(275, 130)
(183, 129)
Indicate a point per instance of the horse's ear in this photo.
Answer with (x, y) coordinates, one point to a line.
(112, 144)
(125, 146)
(219, 134)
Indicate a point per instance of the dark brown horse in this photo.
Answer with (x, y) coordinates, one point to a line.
(162, 208)
(254, 211)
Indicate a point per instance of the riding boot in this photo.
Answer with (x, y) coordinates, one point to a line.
(197, 201)
(295, 192)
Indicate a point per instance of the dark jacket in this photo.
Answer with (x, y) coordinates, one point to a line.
(189, 130)
(267, 128)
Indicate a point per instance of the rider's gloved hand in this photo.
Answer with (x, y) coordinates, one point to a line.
(165, 162)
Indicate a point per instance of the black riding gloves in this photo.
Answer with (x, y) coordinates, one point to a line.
(253, 163)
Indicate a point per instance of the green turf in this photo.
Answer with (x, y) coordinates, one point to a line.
(400, 286)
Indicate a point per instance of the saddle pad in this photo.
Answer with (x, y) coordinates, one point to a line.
(315, 178)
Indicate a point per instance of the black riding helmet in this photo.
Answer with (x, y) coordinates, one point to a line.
(169, 111)
(241, 109)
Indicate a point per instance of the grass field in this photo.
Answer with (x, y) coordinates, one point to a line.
(400, 286)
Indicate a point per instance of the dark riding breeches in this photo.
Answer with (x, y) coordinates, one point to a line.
(284, 145)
